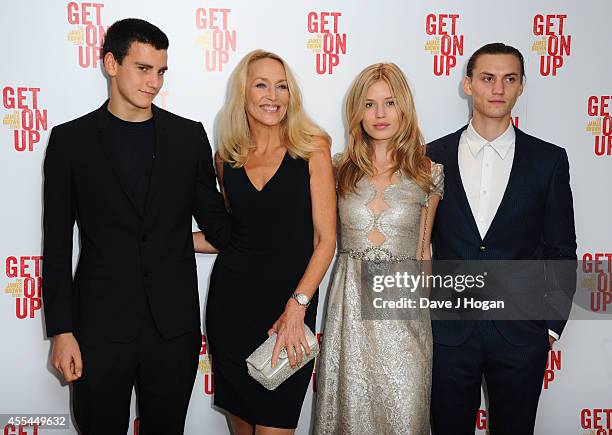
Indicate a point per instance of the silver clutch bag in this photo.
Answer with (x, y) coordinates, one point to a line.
(259, 363)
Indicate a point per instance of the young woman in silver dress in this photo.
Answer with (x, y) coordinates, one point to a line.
(374, 376)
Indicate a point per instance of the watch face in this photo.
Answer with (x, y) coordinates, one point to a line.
(301, 298)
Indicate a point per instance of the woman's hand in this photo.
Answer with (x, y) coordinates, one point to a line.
(290, 334)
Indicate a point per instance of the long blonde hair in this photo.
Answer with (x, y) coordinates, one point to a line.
(407, 145)
(297, 129)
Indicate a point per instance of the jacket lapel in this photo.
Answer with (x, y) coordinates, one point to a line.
(453, 185)
(159, 158)
(104, 140)
(517, 173)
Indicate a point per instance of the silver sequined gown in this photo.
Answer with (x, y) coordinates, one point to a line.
(374, 376)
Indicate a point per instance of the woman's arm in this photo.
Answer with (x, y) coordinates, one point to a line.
(201, 245)
(290, 325)
(323, 198)
(428, 215)
(423, 254)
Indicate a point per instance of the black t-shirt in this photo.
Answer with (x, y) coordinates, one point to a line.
(134, 145)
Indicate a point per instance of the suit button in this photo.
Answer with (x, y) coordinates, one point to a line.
(145, 273)
(143, 238)
(483, 248)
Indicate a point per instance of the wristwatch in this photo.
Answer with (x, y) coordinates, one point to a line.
(301, 299)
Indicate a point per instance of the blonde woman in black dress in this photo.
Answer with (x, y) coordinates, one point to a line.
(275, 170)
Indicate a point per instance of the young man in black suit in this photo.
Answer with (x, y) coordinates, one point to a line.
(507, 197)
(132, 176)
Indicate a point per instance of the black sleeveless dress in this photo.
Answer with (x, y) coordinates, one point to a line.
(251, 281)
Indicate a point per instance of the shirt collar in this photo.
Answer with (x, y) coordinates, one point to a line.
(502, 144)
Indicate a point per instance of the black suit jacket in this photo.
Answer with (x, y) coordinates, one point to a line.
(129, 262)
(535, 221)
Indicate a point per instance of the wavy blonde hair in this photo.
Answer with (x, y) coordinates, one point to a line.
(297, 130)
(407, 145)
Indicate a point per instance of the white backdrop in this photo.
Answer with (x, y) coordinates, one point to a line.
(50, 74)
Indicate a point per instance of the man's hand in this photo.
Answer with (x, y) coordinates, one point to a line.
(66, 356)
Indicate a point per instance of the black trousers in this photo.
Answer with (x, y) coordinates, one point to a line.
(513, 378)
(163, 372)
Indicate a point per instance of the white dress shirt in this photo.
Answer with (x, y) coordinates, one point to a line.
(485, 170)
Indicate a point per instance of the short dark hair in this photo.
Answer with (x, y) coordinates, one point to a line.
(122, 33)
(495, 48)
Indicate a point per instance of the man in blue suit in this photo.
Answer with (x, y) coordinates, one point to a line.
(507, 197)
